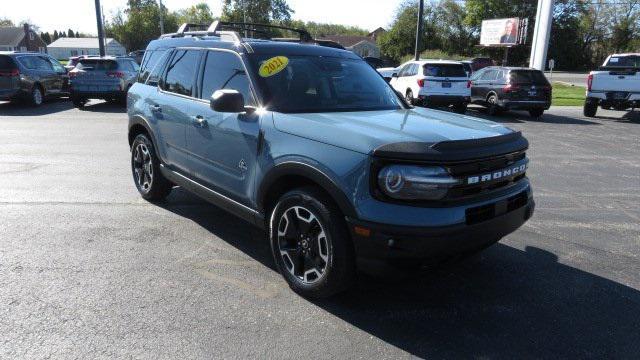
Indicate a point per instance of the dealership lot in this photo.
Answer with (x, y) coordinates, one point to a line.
(88, 269)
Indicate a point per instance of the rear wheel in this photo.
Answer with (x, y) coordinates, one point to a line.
(536, 113)
(590, 108)
(78, 101)
(310, 243)
(460, 108)
(36, 97)
(493, 107)
(145, 166)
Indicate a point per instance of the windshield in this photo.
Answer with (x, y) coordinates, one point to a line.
(624, 61)
(308, 84)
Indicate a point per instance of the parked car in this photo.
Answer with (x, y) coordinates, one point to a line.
(310, 144)
(73, 61)
(468, 67)
(137, 55)
(616, 85)
(107, 78)
(481, 63)
(511, 88)
(32, 77)
(433, 83)
(387, 73)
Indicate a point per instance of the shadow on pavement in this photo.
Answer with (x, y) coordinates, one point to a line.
(516, 117)
(630, 116)
(104, 107)
(23, 109)
(506, 303)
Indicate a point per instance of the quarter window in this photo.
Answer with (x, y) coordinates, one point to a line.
(224, 70)
(180, 72)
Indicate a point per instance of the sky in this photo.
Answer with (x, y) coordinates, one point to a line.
(79, 15)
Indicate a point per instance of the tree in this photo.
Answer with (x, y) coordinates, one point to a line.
(257, 11)
(55, 35)
(400, 40)
(4, 22)
(46, 37)
(319, 30)
(196, 14)
(70, 33)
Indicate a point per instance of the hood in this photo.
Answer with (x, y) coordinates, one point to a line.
(367, 131)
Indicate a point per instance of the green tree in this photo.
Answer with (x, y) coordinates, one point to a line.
(196, 14)
(70, 33)
(257, 11)
(319, 30)
(46, 37)
(5, 22)
(55, 36)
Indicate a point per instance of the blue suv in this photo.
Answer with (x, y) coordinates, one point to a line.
(310, 143)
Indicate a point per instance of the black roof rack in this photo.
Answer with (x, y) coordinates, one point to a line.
(233, 30)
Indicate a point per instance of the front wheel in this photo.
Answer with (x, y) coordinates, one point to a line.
(36, 98)
(408, 97)
(493, 107)
(145, 166)
(310, 244)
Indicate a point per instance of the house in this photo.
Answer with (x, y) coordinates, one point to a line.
(361, 45)
(21, 39)
(66, 47)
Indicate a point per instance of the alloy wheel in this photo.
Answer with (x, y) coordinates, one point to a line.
(303, 245)
(143, 167)
(37, 96)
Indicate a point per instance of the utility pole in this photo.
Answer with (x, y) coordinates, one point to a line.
(161, 19)
(419, 30)
(100, 32)
(541, 34)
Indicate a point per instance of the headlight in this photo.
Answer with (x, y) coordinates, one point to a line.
(409, 182)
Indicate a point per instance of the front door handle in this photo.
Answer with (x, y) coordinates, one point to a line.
(199, 121)
(156, 108)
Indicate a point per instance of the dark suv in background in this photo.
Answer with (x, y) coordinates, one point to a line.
(511, 88)
(105, 78)
(32, 77)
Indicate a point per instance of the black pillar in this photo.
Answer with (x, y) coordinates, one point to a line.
(419, 29)
(100, 33)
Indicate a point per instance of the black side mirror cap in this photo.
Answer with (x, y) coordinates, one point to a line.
(230, 101)
(394, 75)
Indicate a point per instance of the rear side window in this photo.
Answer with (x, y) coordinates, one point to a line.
(489, 75)
(35, 63)
(180, 73)
(155, 74)
(528, 77)
(6, 62)
(444, 70)
(224, 70)
(125, 65)
(97, 65)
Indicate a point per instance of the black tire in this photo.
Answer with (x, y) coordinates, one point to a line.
(36, 96)
(493, 108)
(408, 97)
(590, 108)
(78, 102)
(460, 108)
(536, 113)
(295, 227)
(145, 168)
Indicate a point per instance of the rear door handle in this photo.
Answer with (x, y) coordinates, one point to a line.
(199, 121)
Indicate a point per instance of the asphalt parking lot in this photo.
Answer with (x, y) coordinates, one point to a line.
(90, 270)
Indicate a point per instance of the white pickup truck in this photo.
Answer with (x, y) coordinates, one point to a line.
(615, 85)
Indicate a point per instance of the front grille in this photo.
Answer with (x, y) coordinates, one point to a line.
(482, 213)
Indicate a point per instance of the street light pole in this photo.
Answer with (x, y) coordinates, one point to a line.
(541, 34)
(161, 19)
(100, 32)
(419, 30)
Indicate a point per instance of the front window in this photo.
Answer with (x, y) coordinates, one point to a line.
(310, 84)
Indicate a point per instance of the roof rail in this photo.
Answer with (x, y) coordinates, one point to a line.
(230, 31)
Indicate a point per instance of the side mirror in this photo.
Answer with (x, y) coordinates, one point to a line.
(394, 75)
(230, 101)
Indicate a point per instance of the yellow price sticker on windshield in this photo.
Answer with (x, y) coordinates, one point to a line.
(273, 66)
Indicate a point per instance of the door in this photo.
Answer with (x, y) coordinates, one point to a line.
(485, 84)
(42, 71)
(171, 106)
(398, 82)
(223, 146)
(62, 78)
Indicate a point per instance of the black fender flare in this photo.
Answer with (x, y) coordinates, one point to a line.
(289, 168)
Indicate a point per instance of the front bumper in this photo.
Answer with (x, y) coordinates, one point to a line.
(391, 242)
(524, 104)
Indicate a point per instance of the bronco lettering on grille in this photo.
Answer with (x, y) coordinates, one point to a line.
(504, 173)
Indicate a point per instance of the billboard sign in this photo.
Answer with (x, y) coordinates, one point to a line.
(498, 32)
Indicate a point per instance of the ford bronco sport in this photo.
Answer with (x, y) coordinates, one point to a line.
(310, 143)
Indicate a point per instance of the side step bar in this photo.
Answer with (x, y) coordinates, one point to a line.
(217, 199)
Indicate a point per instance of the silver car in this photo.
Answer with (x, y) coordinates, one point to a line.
(107, 78)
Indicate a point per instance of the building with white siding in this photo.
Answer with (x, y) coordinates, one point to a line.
(64, 48)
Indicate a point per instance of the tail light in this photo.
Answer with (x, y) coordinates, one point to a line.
(589, 82)
(115, 74)
(10, 72)
(510, 88)
(468, 84)
(421, 82)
